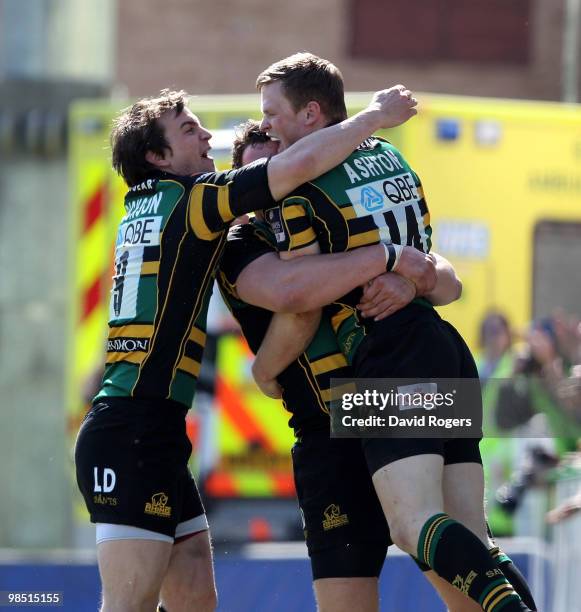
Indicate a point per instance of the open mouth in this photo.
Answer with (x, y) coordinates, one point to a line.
(206, 156)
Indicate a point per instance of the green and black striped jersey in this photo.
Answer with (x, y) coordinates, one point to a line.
(167, 250)
(373, 196)
(306, 382)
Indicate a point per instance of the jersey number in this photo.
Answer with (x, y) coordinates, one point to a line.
(118, 280)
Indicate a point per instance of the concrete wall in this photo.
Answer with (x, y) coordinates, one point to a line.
(51, 51)
(35, 508)
(35, 458)
(57, 39)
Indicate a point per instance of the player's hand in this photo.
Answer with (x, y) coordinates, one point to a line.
(270, 388)
(385, 295)
(418, 268)
(395, 106)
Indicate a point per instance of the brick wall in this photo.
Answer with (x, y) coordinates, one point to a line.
(220, 47)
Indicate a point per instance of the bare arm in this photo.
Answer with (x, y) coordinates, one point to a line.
(418, 267)
(385, 295)
(293, 283)
(297, 285)
(390, 292)
(320, 151)
(448, 286)
(288, 336)
(433, 276)
(281, 284)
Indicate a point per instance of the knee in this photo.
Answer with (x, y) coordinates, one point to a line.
(403, 538)
(405, 531)
(405, 528)
(202, 598)
(190, 585)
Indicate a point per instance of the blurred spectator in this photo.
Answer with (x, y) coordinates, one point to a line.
(539, 407)
(495, 362)
(533, 472)
(561, 367)
(543, 396)
(494, 357)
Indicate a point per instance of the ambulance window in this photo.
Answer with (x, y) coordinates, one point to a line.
(556, 267)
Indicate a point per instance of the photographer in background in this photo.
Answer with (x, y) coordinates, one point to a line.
(539, 407)
(542, 397)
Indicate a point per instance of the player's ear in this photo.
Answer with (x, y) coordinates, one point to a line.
(156, 159)
(312, 112)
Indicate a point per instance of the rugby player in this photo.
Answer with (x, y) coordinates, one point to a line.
(132, 450)
(347, 549)
(374, 197)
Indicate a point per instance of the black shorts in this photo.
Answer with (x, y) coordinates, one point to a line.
(345, 528)
(416, 343)
(132, 465)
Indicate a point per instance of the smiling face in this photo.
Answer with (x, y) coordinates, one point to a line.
(188, 145)
(279, 120)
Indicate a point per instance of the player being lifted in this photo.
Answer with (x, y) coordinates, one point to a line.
(347, 556)
(374, 196)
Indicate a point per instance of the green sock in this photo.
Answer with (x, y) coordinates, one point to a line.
(461, 559)
(513, 575)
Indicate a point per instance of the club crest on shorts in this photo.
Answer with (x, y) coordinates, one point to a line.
(158, 506)
(334, 518)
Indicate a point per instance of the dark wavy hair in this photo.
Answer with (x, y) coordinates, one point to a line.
(247, 133)
(136, 130)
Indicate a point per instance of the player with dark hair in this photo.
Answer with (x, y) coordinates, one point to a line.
(250, 144)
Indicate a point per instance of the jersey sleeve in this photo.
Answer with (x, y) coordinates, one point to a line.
(245, 243)
(291, 223)
(217, 198)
